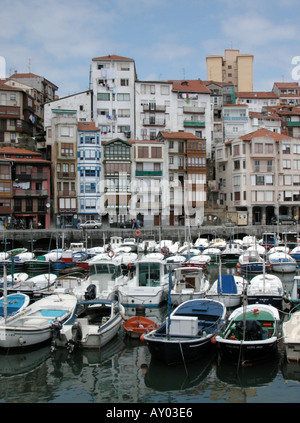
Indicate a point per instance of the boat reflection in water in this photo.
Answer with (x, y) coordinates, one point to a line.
(162, 377)
(259, 373)
(21, 361)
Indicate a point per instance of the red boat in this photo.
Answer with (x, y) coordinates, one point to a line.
(137, 325)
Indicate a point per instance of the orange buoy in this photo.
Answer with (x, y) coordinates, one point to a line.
(213, 340)
(142, 337)
(138, 233)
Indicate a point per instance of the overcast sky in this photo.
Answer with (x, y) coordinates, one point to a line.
(168, 39)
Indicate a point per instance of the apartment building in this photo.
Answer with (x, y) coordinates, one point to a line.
(18, 121)
(287, 92)
(258, 173)
(149, 200)
(61, 139)
(89, 171)
(235, 120)
(257, 100)
(184, 176)
(233, 68)
(25, 188)
(113, 82)
(116, 181)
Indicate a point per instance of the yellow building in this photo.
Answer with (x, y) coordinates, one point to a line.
(234, 68)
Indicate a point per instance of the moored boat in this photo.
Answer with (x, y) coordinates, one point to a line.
(189, 283)
(187, 333)
(291, 336)
(137, 325)
(265, 288)
(251, 333)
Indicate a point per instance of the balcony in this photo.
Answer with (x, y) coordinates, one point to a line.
(31, 176)
(191, 109)
(154, 108)
(293, 124)
(9, 112)
(19, 192)
(193, 124)
(148, 173)
(154, 122)
(240, 118)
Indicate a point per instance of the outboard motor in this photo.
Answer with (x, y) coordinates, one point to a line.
(90, 293)
(56, 328)
(75, 341)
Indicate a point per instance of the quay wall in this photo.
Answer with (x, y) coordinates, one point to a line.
(53, 238)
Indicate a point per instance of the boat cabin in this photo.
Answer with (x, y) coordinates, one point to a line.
(289, 239)
(269, 240)
(150, 272)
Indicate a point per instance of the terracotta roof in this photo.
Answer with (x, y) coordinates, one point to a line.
(263, 133)
(17, 150)
(268, 115)
(146, 142)
(24, 75)
(191, 85)
(179, 135)
(113, 57)
(286, 84)
(87, 126)
(256, 94)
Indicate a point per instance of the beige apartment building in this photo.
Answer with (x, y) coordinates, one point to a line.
(234, 68)
(258, 174)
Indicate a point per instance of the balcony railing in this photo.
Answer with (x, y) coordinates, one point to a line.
(194, 124)
(19, 192)
(148, 173)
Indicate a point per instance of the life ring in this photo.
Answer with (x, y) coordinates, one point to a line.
(138, 232)
(165, 251)
(110, 253)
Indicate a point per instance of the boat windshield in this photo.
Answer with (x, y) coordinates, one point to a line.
(149, 274)
(105, 269)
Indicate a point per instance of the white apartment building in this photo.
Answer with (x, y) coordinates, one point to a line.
(113, 82)
(256, 100)
(258, 173)
(235, 120)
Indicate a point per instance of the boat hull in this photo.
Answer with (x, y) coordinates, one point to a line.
(249, 350)
(273, 300)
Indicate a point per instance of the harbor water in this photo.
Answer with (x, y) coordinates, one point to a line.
(123, 372)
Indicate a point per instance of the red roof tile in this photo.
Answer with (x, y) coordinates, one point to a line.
(113, 57)
(178, 135)
(191, 85)
(87, 126)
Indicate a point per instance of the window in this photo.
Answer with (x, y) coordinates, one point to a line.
(124, 113)
(103, 96)
(286, 149)
(123, 97)
(269, 148)
(236, 165)
(124, 82)
(296, 164)
(286, 164)
(164, 89)
(256, 165)
(236, 150)
(66, 131)
(156, 152)
(258, 148)
(143, 152)
(296, 148)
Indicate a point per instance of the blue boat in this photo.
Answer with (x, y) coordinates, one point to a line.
(188, 331)
(15, 303)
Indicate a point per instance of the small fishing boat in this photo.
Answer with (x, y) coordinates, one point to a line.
(148, 286)
(251, 262)
(231, 253)
(251, 333)
(201, 243)
(201, 260)
(92, 325)
(291, 336)
(175, 261)
(295, 253)
(34, 325)
(187, 332)
(227, 288)
(218, 243)
(265, 289)
(282, 262)
(137, 325)
(32, 286)
(294, 295)
(189, 283)
(13, 304)
(213, 252)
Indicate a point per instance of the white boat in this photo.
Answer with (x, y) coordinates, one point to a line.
(218, 243)
(105, 274)
(282, 262)
(259, 248)
(291, 336)
(201, 243)
(251, 262)
(231, 253)
(295, 253)
(228, 289)
(147, 246)
(33, 285)
(248, 241)
(175, 261)
(149, 285)
(213, 252)
(265, 288)
(34, 325)
(93, 324)
(189, 283)
(201, 260)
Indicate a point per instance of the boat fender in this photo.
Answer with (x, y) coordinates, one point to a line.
(142, 337)
(213, 340)
(90, 293)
